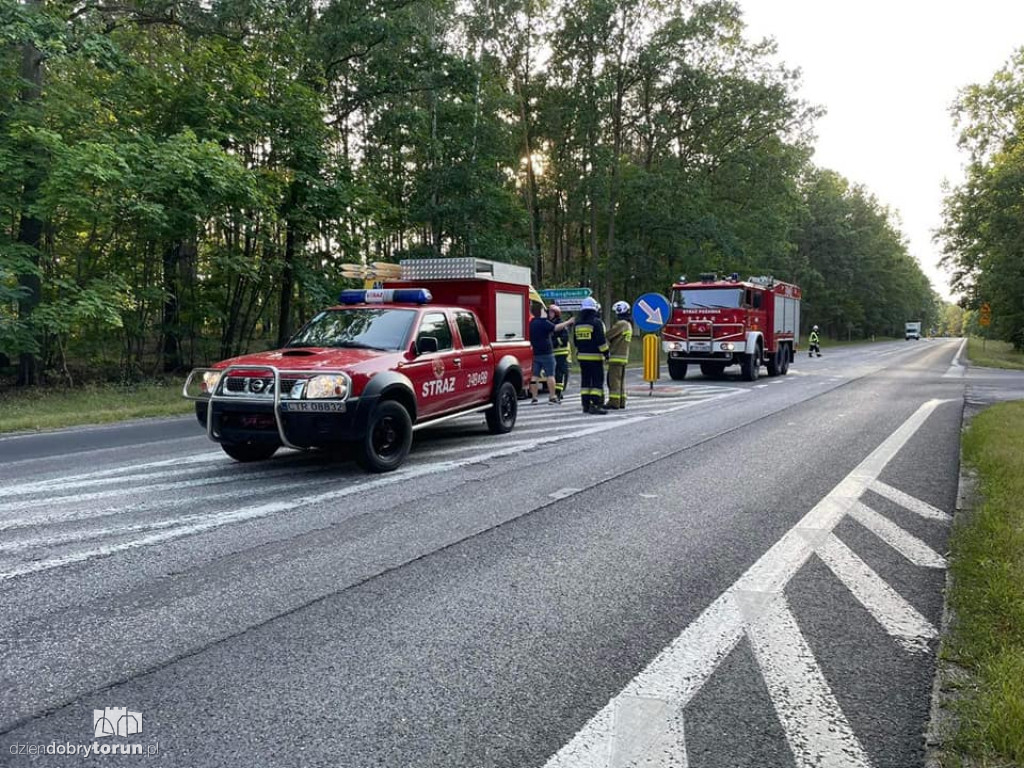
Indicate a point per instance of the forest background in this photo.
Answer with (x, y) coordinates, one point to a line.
(182, 180)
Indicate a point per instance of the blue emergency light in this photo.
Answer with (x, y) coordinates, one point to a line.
(381, 295)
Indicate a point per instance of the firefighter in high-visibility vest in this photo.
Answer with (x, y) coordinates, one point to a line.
(619, 336)
(591, 351)
(560, 342)
(814, 346)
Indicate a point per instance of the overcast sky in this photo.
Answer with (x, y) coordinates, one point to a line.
(887, 72)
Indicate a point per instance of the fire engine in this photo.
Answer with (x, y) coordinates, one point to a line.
(721, 322)
(448, 339)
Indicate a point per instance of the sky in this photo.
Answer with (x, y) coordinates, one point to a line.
(887, 73)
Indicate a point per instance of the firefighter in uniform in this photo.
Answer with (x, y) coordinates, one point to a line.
(619, 336)
(591, 351)
(815, 343)
(560, 342)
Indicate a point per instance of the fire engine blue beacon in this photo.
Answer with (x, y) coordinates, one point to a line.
(382, 295)
(650, 312)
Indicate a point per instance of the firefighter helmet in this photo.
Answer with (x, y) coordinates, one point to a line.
(620, 308)
(814, 328)
(589, 303)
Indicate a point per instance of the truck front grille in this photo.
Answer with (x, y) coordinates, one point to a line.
(256, 386)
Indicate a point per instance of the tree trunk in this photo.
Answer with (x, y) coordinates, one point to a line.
(30, 229)
(172, 310)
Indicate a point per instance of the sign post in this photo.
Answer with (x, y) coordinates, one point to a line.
(650, 312)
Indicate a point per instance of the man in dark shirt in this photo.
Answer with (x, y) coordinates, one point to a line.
(543, 352)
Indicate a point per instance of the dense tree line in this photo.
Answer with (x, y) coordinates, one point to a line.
(983, 235)
(182, 179)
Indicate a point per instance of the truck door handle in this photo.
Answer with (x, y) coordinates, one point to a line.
(458, 362)
(484, 358)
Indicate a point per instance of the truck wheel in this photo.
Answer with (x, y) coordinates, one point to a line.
(774, 363)
(676, 369)
(786, 355)
(751, 365)
(501, 416)
(249, 451)
(712, 370)
(387, 440)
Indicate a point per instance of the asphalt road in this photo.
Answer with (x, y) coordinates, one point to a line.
(724, 574)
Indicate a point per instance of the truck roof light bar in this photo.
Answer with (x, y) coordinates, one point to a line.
(708, 277)
(382, 295)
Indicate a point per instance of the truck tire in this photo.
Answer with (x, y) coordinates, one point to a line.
(676, 369)
(249, 451)
(712, 370)
(750, 366)
(787, 355)
(774, 363)
(387, 440)
(501, 416)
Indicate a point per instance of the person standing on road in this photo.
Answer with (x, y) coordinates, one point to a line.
(591, 351)
(541, 330)
(560, 343)
(815, 343)
(619, 336)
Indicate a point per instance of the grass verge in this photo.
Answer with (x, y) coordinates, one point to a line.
(987, 596)
(52, 408)
(994, 354)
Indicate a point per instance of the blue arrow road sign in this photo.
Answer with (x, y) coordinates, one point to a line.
(650, 312)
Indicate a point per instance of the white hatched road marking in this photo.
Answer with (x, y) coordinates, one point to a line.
(914, 504)
(911, 547)
(900, 618)
(684, 666)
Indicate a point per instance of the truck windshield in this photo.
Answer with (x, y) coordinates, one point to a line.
(707, 298)
(384, 329)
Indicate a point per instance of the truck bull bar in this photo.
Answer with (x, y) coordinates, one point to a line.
(221, 394)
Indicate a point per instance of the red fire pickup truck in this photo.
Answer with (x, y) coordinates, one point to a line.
(370, 371)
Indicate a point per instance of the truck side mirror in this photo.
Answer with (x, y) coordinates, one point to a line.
(425, 344)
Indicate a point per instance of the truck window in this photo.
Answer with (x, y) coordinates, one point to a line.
(468, 330)
(436, 324)
(707, 298)
(356, 327)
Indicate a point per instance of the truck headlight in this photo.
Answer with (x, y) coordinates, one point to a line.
(210, 381)
(672, 346)
(727, 346)
(331, 385)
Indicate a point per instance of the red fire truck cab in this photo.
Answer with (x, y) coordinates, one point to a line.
(722, 322)
(379, 365)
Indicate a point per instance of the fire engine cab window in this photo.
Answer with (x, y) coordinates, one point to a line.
(708, 298)
(468, 329)
(436, 325)
(359, 328)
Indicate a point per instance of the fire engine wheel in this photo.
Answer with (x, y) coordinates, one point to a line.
(751, 365)
(501, 417)
(388, 438)
(676, 369)
(249, 451)
(776, 361)
(786, 355)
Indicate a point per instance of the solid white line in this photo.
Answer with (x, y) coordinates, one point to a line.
(911, 547)
(898, 617)
(914, 504)
(681, 668)
(816, 729)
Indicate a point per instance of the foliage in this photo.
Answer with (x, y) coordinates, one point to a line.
(197, 172)
(981, 235)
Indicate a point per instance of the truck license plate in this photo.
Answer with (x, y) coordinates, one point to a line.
(700, 346)
(313, 406)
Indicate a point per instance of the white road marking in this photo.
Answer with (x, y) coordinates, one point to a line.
(815, 726)
(914, 504)
(564, 493)
(682, 668)
(957, 370)
(911, 547)
(898, 617)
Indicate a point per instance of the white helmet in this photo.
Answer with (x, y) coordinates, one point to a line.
(588, 303)
(814, 328)
(620, 307)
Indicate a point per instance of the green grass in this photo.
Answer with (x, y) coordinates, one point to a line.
(994, 354)
(52, 408)
(987, 596)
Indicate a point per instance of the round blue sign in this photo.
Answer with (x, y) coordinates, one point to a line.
(650, 312)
